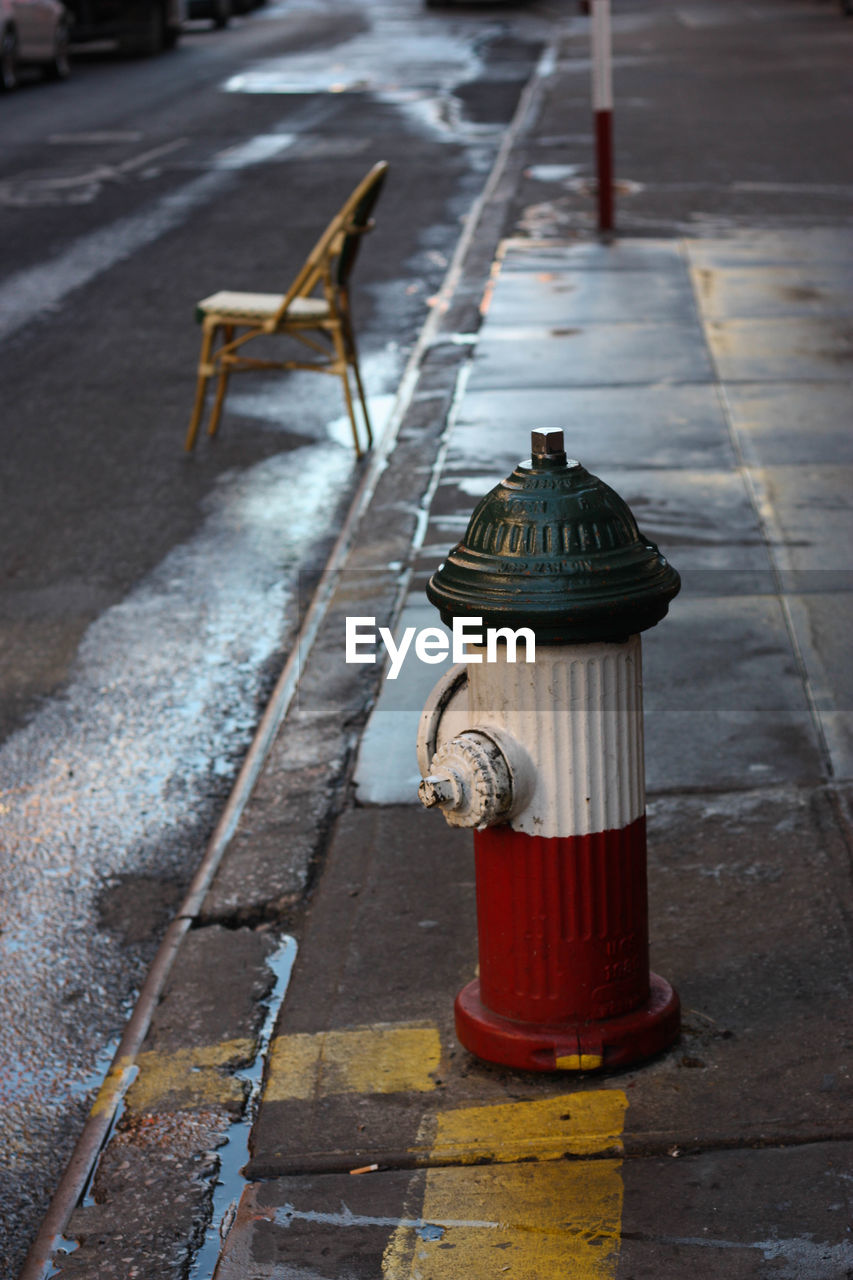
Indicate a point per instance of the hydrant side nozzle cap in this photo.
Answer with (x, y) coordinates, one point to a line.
(554, 548)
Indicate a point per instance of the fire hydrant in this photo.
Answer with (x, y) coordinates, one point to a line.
(544, 759)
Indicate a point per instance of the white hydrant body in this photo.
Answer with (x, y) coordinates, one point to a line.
(545, 761)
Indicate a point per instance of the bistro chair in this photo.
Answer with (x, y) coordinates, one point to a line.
(315, 312)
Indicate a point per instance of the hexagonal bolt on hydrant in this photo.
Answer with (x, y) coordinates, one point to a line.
(544, 760)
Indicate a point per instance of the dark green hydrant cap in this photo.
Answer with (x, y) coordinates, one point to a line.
(555, 549)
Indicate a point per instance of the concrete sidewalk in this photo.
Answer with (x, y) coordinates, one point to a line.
(682, 380)
(715, 408)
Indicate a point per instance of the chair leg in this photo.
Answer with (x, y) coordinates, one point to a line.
(201, 387)
(340, 348)
(221, 386)
(352, 356)
(362, 397)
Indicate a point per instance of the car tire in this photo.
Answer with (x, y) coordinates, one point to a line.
(8, 61)
(59, 67)
(147, 35)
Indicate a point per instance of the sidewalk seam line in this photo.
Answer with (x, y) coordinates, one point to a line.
(412, 1162)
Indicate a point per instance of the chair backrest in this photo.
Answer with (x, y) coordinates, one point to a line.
(364, 199)
(340, 239)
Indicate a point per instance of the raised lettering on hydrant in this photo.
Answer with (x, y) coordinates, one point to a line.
(545, 761)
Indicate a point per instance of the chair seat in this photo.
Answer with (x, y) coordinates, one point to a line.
(250, 307)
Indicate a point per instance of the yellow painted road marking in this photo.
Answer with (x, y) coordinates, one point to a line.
(577, 1124)
(378, 1059)
(556, 1221)
(113, 1085)
(187, 1078)
(549, 1219)
(579, 1062)
(384, 1058)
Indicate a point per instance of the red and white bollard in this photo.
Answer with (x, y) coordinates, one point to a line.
(544, 760)
(602, 110)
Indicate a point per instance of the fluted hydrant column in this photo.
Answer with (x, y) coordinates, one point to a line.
(549, 771)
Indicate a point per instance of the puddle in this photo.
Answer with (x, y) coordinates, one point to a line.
(275, 401)
(234, 1153)
(264, 146)
(552, 172)
(391, 56)
(63, 1247)
(401, 61)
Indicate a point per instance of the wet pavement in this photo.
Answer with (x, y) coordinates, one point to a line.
(708, 380)
(731, 1153)
(749, 767)
(148, 599)
(689, 439)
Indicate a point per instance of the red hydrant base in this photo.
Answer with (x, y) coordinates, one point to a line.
(570, 1046)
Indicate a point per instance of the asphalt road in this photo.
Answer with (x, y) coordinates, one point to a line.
(147, 599)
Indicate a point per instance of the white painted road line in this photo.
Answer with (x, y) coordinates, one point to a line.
(37, 291)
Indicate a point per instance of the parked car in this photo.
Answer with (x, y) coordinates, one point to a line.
(219, 11)
(32, 33)
(138, 26)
